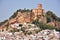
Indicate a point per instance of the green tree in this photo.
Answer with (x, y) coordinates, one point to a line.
(14, 15)
(52, 16)
(48, 19)
(15, 30)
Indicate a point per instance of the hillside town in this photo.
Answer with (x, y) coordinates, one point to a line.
(31, 32)
(24, 26)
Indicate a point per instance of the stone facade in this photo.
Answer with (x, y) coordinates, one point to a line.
(39, 13)
(38, 10)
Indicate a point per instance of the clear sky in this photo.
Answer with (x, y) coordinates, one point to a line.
(8, 7)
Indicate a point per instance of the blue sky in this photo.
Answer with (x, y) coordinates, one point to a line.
(8, 7)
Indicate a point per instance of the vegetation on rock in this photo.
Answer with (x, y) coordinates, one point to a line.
(51, 16)
(1, 23)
